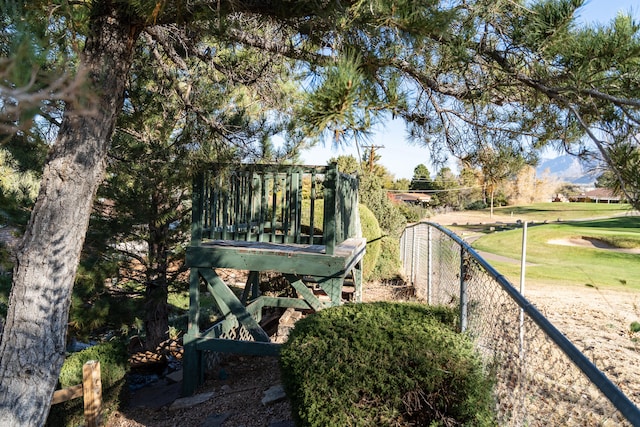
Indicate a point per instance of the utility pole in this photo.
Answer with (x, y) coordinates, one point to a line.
(372, 154)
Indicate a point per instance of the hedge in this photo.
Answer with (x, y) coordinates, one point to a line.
(385, 364)
(113, 368)
(371, 231)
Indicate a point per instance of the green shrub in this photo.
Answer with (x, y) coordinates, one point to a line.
(389, 216)
(413, 213)
(389, 263)
(384, 364)
(476, 205)
(113, 368)
(635, 327)
(371, 231)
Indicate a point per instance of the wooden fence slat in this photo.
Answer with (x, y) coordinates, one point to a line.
(65, 394)
(92, 388)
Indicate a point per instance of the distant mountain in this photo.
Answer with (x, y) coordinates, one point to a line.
(567, 168)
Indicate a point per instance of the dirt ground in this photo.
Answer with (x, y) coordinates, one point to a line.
(596, 321)
(237, 388)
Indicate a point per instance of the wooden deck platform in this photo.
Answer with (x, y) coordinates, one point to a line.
(285, 258)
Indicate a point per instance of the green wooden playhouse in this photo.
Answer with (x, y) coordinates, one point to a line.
(299, 221)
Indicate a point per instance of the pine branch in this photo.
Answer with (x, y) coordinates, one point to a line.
(281, 47)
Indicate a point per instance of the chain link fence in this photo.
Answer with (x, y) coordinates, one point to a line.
(541, 377)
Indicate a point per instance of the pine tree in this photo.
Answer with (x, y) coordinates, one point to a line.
(421, 179)
(145, 198)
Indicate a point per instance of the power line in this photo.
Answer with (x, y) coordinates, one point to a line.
(434, 191)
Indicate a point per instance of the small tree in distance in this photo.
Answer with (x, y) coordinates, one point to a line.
(421, 180)
(496, 165)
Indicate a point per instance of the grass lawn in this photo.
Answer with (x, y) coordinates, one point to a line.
(540, 212)
(558, 264)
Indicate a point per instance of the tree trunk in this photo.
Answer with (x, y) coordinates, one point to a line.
(491, 209)
(32, 347)
(157, 289)
(156, 314)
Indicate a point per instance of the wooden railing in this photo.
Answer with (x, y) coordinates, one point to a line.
(275, 203)
(90, 390)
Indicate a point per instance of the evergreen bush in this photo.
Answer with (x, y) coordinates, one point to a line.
(371, 231)
(389, 264)
(384, 364)
(113, 368)
(389, 216)
(476, 205)
(412, 213)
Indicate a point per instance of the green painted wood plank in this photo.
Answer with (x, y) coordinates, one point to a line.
(313, 208)
(274, 207)
(305, 292)
(357, 279)
(286, 302)
(283, 258)
(252, 348)
(261, 261)
(297, 207)
(197, 209)
(223, 295)
(329, 225)
(333, 287)
(255, 309)
(194, 302)
(192, 366)
(223, 307)
(252, 286)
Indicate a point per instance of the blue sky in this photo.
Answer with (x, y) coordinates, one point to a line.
(400, 156)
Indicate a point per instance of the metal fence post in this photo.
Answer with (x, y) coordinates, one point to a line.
(523, 262)
(413, 256)
(464, 296)
(429, 265)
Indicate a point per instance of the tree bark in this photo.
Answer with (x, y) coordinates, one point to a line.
(32, 347)
(491, 209)
(157, 288)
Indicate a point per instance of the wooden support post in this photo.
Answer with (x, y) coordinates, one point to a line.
(192, 363)
(304, 291)
(333, 287)
(227, 300)
(329, 225)
(192, 366)
(252, 285)
(357, 281)
(92, 391)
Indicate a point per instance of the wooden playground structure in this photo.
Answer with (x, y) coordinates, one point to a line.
(299, 221)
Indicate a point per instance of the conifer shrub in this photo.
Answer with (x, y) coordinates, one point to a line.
(389, 264)
(114, 364)
(384, 364)
(371, 231)
(413, 213)
(390, 218)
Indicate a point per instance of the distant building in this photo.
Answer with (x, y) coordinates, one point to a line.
(416, 198)
(599, 195)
